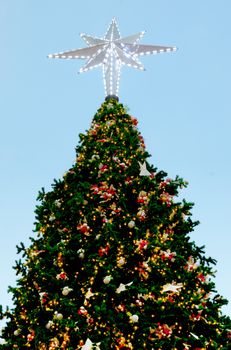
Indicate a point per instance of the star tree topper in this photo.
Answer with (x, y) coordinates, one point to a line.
(112, 52)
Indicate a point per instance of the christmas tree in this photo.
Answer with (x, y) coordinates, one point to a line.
(112, 265)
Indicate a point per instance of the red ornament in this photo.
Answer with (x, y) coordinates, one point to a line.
(164, 183)
(121, 308)
(30, 336)
(142, 144)
(167, 255)
(169, 231)
(123, 166)
(165, 197)
(134, 121)
(94, 131)
(123, 344)
(114, 209)
(103, 140)
(142, 198)
(171, 299)
(82, 311)
(107, 193)
(90, 320)
(43, 297)
(201, 277)
(111, 190)
(128, 181)
(143, 244)
(83, 228)
(163, 331)
(141, 215)
(103, 168)
(104, 251)
(196, 317)
(144, 270)
(95, 189)
(62, 276)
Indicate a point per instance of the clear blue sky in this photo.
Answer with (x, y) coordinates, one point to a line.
(182, 102)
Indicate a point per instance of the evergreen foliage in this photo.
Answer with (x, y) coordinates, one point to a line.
(112, 265)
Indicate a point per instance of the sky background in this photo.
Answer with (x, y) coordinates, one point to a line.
(182, 102)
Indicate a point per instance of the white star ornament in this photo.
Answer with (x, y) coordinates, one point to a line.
(112, 52)
(143, 170)
(175, 288)
(122, 287)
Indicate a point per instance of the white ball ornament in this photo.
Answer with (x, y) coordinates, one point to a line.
(17, 331)
(57, 203)
(81, 253)
(131, 224)
(58, 316)
(49, 324)
(134, 318)
(121, 261)
(107, 279)
(52, 217)
(66, 291)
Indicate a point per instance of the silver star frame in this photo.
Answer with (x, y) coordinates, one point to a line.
(112, 52)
